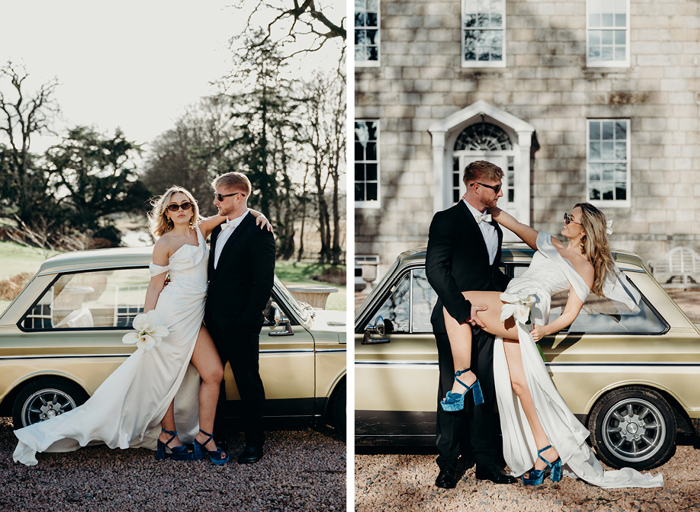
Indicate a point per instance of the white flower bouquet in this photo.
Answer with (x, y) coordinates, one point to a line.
(520, 308)
(148, 333)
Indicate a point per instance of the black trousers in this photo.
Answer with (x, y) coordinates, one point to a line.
(454, 428)
(242, 350)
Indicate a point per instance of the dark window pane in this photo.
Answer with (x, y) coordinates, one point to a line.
(359, 172)
(371, 170)
(361, 37)
(594, 130)
(607, 191)
(455, 180)
(594, 193)
(372, 130)
(360, 19)
(371, 192)
(359, 192)
(372, 36)
(359, 151)
(371, 19)
(621, 191)
(372, 53)
(511, 195)
(371, 153)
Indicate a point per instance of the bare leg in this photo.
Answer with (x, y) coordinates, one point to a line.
(460, 335)
(519, 384)
(168, 423)
(206, 359)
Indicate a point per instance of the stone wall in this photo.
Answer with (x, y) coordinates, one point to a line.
(546, 83)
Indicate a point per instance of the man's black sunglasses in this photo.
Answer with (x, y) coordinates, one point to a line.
(220, 197)
(495, 188)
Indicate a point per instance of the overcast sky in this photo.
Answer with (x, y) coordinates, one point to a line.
(129, 64)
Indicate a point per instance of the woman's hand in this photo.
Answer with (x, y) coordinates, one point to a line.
(262, 222)
(538, 332)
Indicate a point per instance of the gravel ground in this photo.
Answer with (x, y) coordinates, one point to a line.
(303, 469)
(405, 482)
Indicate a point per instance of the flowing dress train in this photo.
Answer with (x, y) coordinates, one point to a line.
(549, 273)
(126, 410)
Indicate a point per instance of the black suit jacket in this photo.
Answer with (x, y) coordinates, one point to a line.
(240, 286)
(458, 261)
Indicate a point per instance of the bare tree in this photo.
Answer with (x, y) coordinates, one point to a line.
(295, 19)
(23, 117)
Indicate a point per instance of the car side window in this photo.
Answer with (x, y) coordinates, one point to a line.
(85, 300)
(410, 304)
(603, 316)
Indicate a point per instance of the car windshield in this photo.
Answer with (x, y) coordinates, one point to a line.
(301, 310)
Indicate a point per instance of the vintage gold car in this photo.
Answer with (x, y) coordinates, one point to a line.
(631, 377)
(62, 336)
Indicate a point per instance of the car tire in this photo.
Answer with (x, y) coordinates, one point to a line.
(337, 409)
(44, 398)
(633, 427)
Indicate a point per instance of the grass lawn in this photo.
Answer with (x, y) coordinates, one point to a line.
(300, 273)
(16, 258)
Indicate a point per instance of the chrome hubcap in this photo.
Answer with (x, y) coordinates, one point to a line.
(46, 404)
(633, 430)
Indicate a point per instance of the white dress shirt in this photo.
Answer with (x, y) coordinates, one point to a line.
(225, 234)
(487, 230)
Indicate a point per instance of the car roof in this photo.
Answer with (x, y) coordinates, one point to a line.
(519, 251)
(97, 258)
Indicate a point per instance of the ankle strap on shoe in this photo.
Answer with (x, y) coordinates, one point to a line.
(539, 454)
(173, 434)
(211, 436)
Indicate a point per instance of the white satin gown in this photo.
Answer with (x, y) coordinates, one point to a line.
(549, 273)
(126, 410)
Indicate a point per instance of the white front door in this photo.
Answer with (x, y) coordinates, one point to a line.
(510, 202)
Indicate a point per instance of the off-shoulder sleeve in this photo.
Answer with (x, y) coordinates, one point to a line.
(545, 246)
(157, 269)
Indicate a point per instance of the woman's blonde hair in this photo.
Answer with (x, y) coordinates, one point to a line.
(159, 224)
(595, 245)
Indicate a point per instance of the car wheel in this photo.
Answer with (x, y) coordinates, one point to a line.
(45, 398)
(633, 427)
(337, 409)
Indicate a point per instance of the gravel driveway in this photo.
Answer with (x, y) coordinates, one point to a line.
(303, 469)
(405, 482)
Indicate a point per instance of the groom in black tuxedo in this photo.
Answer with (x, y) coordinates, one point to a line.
(241, 275)
(464, 253)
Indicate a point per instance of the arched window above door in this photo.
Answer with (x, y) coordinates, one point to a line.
(483, 137)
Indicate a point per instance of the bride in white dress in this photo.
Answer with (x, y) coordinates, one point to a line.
(157, 387)
(540, 434)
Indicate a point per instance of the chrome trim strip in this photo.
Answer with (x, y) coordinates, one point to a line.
(290, 351)
(671, 365)
(404, 363)
(427, 363)
(331, 350)
(74, 356)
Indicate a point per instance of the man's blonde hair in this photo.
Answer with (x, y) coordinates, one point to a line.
(236, 180)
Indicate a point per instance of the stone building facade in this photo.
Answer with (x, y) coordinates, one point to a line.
(583, 100)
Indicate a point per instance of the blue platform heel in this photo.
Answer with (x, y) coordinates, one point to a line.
(537, 476)
(179, 452)
(455, 401)
(214, 456)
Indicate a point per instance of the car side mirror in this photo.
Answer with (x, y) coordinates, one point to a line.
(280, 320)
(379, 328)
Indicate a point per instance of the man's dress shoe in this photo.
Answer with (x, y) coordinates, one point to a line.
(446, 479)
(494, 473)
(250, 454)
